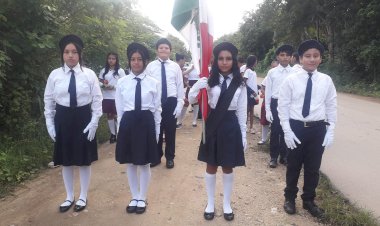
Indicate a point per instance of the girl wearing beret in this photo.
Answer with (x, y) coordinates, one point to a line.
(225, 126)
(73, 106)
(138, 106)
(108, 77)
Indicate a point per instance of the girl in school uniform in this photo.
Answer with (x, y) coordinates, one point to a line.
(250, 79)
(138, 105)
(225, 126)
(73, 106)
(108, 77)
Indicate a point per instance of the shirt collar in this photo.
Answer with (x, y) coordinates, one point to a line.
(141, 76)
(221, 77)
(76, 69)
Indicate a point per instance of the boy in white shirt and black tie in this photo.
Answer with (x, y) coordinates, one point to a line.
(307, 103)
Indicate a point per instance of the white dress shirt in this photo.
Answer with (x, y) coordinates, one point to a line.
(251, 79)
(193, 75)
(242, 68)
(150, 96)
(297, 67)
(112, 81)
(323, 103)
(274, 80)
(238, 102)
(174, 78)
(87, 89)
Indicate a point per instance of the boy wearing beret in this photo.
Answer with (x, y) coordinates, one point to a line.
(307, 111)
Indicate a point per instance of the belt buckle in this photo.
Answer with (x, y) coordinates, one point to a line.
(305, 124)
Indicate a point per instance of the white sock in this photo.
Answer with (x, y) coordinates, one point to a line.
(85, 176)
(133, 183)
(265, 130)
(210, 188)
(112, 126)
(145, 175)
(68, 180)
(195, 113)
(228, 180)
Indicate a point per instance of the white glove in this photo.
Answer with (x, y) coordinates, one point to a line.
(200, 84)
(178, 109)
(51, 129)
(289, 138)
(91, 129)
(329, 137)
(269, 116)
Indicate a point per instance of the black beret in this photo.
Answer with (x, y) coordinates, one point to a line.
(70, 39)
(285, 48)
(310, 44)
(225, 46)
(137, 46)
(163, 41)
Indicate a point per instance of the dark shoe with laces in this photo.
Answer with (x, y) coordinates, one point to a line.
(313, 209)
(284, 161)
(290, 206)
(273, 163)
(63, 209)
(112, 139)
(140, 210)
(229, 216)
(131, 209)
(78, 208)
(169, 164)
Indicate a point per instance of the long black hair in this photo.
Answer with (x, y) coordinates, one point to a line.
(214, 74)
(251, 61)
(79, 50)
(117, 65)
(138, 48)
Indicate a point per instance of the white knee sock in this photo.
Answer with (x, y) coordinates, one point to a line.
(210, 188)
(195, 113)
(85, 176)
(133, 183)
(112, 126)
(228, 180)
(145, 175)
(265, 130)
(68, 180)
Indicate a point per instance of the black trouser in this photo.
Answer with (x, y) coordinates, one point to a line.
(277, 143)
(309, 153)
(168, 125)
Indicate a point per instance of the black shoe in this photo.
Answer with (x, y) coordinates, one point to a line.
(169, 164)
(131, 209)
(209, 216)
(284, 161)
(78, 208)
(155, 164)
(290, 206)
(63, 209)
(313, 209)
(229, 216)
(140, 210)
(112, 139)
(273, 163)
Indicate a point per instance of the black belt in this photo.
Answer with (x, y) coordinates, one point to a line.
(310, 124)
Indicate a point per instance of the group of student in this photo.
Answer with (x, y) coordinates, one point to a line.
(143, 107)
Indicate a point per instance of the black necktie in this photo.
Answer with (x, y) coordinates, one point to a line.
(224, 85)
(138, 95)
(72, 90)
(164, 94)
(306, 101)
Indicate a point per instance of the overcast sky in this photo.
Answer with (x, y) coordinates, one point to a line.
(227, 14)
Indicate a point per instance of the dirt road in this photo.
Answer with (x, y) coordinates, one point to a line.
(353, 162)
(175, 197)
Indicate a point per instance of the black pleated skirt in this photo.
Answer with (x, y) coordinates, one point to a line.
(72, 147)
(224, 147)
(136, 140)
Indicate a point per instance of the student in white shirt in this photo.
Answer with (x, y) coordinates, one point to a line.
(73, 106)
(307, 108)
(225, 126)
(274, 80)
(250, 79)
(169, 74)
(108, 77)
(138, 105)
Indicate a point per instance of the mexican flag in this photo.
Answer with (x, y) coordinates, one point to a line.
(192, 18)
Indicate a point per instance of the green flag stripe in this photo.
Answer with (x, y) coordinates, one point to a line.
(182, 12)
